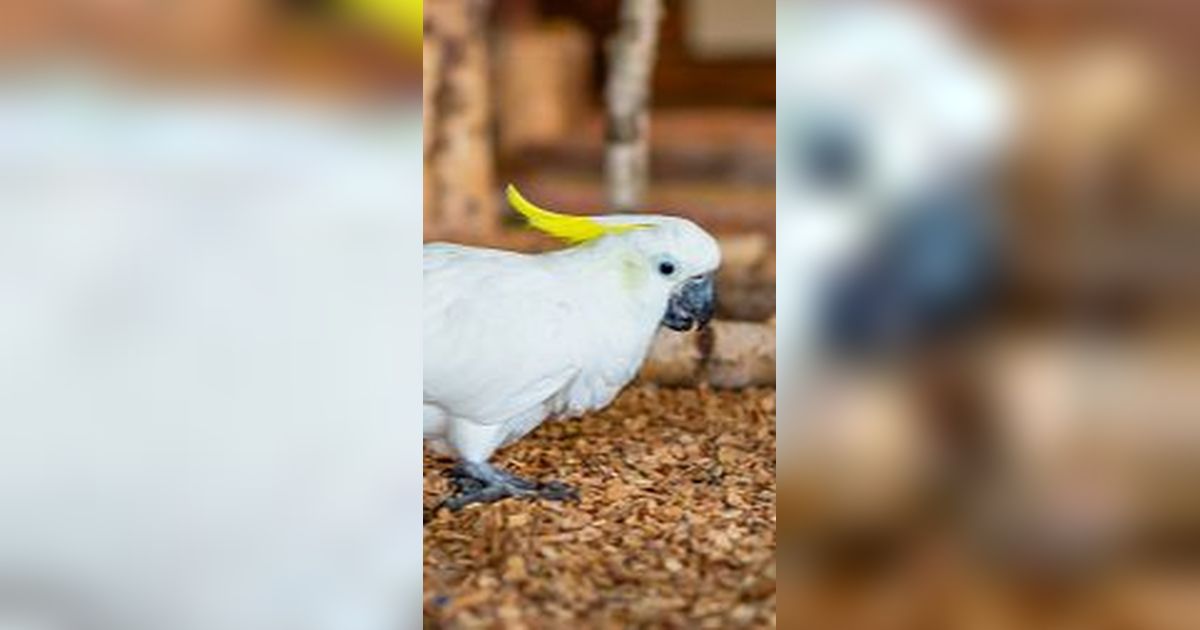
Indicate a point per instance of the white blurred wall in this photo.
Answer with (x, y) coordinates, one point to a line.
(208, 360)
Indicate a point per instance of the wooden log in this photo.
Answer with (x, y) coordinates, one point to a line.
(431, 84)
(460, 183)
(745, 299)
(743, 254)
(727, 355)
(632, 52)
(746, 279)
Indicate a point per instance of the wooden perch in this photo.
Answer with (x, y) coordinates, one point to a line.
(460, 191)
(744, 254)
(627, 95)
(727, 355)
(746, 279)
(746, 300)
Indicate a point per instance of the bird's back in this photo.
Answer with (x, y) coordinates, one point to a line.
(497, 336)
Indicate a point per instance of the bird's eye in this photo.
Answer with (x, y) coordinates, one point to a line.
(666, 267)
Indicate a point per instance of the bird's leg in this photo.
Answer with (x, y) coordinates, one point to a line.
(480, 482)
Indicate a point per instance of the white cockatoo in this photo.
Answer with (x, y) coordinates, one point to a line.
(891, 121)
(512, 339)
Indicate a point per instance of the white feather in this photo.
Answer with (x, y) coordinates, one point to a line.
(512, 339)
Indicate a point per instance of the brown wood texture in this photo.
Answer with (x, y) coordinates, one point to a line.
(460, 174)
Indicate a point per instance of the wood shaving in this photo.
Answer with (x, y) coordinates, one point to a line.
(675, 526)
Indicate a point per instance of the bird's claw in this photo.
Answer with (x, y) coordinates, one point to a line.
(488, 484)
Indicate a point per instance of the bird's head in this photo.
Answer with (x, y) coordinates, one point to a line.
(668, 260)
(891, 121)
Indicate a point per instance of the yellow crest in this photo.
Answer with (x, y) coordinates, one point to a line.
(573, 229)
(402, 19)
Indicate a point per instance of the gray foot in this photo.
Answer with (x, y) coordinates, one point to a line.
(484, 483)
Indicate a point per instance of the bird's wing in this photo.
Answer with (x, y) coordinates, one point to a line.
(497, 336)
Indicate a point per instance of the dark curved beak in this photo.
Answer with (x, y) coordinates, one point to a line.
(692, 303)
(930, 275)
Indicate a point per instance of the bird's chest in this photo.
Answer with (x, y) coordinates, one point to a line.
(609, 364)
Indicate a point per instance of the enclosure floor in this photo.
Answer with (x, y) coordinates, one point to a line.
(675, 526)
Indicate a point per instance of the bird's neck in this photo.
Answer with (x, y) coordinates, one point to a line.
(612, 276)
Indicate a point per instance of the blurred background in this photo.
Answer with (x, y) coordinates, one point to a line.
(208, 220)
(317, 46)
(1022, 456)
(539, 107)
